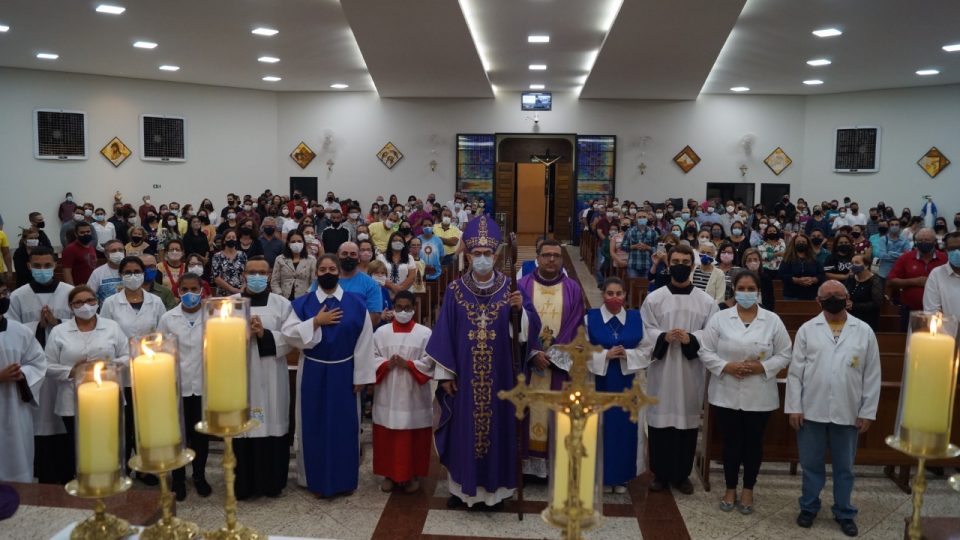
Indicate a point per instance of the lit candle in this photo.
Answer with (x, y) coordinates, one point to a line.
(929, 375)
(561, 463)
(225, 355)
(155, 405)
(98, 441)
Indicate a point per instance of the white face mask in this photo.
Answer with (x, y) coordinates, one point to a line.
(403, 317)
(133, 281)
(446, 220)
(482, 264)
(285, 211)
(296, 247)
(309, 238)
(730, 209)
(85, 312)
(174, 255)
(753, 265)
(397, 246)
(354, 215)
(115, 257)
(32, 242)
(363, 236)
(380, 279)
(171, 223)
(198, 270)
(231, 216)
(388, 224)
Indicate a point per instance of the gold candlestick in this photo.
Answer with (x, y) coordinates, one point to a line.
(168, 527)
(102, 525)
(232, 530)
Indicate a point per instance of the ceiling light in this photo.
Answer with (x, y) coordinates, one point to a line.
(112, 10)
(145, 45)
(166, 67)
(953, 47)
(819, 62)
(538, 67)
(339, 86)
(536, 87)
(812, 82)
(538, 39)
(827, 32)
(925, 72)
(47, 56)
(271, 78)
(268, 59)
(264, 31)
(740, 89)
(4, 28)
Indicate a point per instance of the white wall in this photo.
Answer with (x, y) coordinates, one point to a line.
(240, 140)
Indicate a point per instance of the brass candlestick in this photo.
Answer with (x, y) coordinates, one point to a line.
(102, 525)
(232, 530)
(168, 527)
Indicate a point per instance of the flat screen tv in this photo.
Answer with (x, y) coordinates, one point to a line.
(536, 101)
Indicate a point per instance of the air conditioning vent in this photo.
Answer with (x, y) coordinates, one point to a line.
(59, 134)
(857, 149)
(163, 138)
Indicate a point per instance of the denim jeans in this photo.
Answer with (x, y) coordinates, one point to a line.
(813, 441)
(600, 260)
(635, 273)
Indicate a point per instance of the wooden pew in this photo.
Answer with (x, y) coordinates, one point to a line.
(636, 292)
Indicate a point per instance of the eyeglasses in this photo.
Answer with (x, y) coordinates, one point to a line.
(551, 255)
(132, 273)
(81, 303)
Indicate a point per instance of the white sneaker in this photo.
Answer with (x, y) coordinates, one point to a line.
(619, 489)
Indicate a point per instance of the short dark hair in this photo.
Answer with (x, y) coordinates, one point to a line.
(745, 274)
(83, 224)
(948, 236)
(405, 295)
(44, 251)
(613, 280)
(77, 290)
(683, 249)
(130, 259)
(187, 276)
(549, 242)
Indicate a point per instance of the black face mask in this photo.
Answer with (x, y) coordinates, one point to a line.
(680, 272)
(691, 230)
(925, 247)
(269, 231)
(883, 230)
(40, 224)
(4, 305)
(874, 218)
(817, 241)
(231, 243)
(246, 231)
(801, 248)
(772, 236)
(85, 238)
(136, 239)
(298, 215)
(335, 224)
(405, 230)
(834, 305)
(329, 281)
(844, 250)
(349, 264)
(296, 196)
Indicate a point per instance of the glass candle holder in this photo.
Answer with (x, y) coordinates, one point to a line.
(226, 388)
(587, 474)
(928, 386)
(99, 428)
(157, 407)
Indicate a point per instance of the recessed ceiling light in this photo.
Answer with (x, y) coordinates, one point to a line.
(538, 67)
(536, 87)
(145, 45)
(264, 31)
(271, 78)
(4, 28)
(827, 32)
(339, 86)
(112, 10)
(538, 39)
(925, 72)
(268, 59)
(953, 47)
(812, 82)
(47, 56)
(166, 67)
(740, 89)
(819, 62)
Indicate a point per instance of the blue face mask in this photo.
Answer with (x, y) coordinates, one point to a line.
(149, 275)
(954, 257)
(190, 300)
(257, 283)
(745, 299)
(685, 216)
(428, 230)
(42, 275)
(642, 221)
(481, 264)
(706, 260)
(676, 234)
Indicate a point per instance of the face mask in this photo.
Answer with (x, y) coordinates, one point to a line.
(397, 246)
(380, 279)
(32, 242)
(428, 230)
(69, 199)
(190, 300)
(613, 303)
(403, 317)
(285, 211)
(954, 257)
(150, 275)
(772, 236)
(801, 248)
(115, 257)
(132, 221)
(706, 260)
(753, 266)
(659, 215)
(174, 255)
(746, 299)
(88, 212)
(257, 283)
(42, 275)
(388, 224)
(726, 257)
(857, 268)
(231, 216)
(85, 238)
(268, 231)
(834, 305)
(133, 281)
(309, 238)
(230, 244)
(691, 230)
(843, 214)
(710, 209)
(736, 232)
(328, 282)
(675, 233)
(685, 216)
(366, 256)
(85, 312)
(482, 265)
(925, 247)
(296, 247)
(894, 230)
(349, 264)
(614, 231)
(354, 215)
(195, 269)
(175, 212)
(816, 241)
(247, 208)
(136, 239)
(363, 236)
(100, 217)
(78, 217)
(405, 230)
(680, 272)
(730, 209)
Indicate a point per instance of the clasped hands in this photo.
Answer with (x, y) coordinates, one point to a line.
(744, 368)
(678, 335)
(11, 373)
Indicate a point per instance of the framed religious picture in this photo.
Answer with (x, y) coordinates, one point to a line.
(303, 155)
(933, 162)
(115, 151)
(778, 160)
(389, 155)
(686, 159)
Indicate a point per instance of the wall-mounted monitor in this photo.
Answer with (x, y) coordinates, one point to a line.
(536, 101)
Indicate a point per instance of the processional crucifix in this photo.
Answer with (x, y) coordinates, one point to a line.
(579, 401)
(547, 162)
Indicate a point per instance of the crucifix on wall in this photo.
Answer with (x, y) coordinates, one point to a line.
(547, 160)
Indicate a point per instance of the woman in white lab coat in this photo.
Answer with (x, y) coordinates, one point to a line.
(78, 341)
(743, 348)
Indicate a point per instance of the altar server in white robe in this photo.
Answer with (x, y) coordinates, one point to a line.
(84, 339)
(403, 401)
(22, 367)
(41, 305)
(673, 321)
(263, 454)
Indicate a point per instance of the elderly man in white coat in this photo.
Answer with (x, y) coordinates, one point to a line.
(263, 454)
(22, 367)
(833, 388)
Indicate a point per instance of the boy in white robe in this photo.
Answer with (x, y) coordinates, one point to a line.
(22, 367)
(403, 402)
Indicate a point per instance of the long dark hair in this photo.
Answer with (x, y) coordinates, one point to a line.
(404, 256)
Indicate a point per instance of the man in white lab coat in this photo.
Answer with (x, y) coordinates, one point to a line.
(833, 388)
(22, 367)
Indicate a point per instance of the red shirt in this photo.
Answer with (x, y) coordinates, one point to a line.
(81, 260)
(910, 265)
(292, 204)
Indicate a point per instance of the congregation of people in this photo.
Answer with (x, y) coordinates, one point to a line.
(340, 287)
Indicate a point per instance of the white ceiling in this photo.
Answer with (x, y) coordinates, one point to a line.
(634, 49)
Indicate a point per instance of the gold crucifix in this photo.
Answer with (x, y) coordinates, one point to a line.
(578, 400)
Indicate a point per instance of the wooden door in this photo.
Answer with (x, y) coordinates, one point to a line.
(503, 190)
(563, 201)
(531, 208)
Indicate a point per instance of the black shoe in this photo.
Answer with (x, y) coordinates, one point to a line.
(805, 519)
(148, 479)
(454, 502)
(491, 507)
(848, 527)
(657, 486)
(685, 486)
(202, 487)
(180, 490)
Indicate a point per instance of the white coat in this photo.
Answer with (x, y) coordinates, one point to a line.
(189, 332)
(18, 346)
(133, 322)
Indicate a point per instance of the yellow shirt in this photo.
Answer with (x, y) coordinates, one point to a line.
(380, 235)
(4, 244)
(451, 232)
